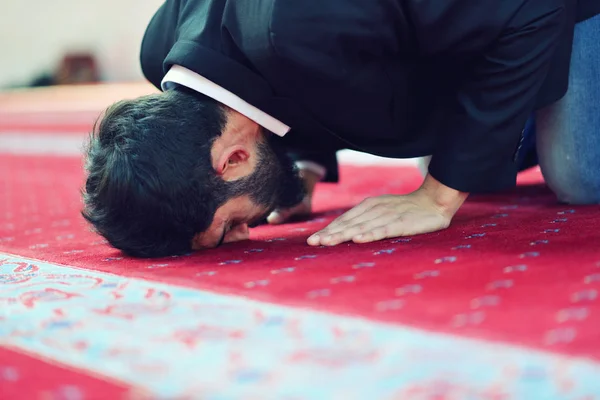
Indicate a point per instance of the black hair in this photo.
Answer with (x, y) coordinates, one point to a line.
(150, 185)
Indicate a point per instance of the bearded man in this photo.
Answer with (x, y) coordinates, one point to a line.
(257, 96)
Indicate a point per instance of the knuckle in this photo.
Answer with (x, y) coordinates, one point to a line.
(363, 226)
(381, 233)
(335, 238)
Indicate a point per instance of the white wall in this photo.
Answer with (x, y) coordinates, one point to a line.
(34, 34)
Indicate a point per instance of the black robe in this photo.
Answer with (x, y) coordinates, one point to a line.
(397, 78)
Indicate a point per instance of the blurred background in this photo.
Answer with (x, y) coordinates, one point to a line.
(63, 62)
(71, 41)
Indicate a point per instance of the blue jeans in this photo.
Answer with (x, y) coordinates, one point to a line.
(566, 134)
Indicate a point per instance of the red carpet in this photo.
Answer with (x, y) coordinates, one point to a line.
(80, 321)
(516, 267)
(29, 378)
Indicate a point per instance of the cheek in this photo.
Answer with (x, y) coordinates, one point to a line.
(197, 242)
(205, 240)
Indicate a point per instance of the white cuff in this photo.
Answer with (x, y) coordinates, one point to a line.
(312, 167)
(185, 77)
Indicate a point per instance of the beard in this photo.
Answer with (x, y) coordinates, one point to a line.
(275, 183)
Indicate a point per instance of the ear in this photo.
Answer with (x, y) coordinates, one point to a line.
(233, 162)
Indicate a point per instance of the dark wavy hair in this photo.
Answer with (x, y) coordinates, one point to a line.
(150, 185)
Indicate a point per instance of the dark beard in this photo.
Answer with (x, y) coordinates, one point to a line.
(275, 183)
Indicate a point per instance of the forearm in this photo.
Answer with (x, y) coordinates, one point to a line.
(481, 125)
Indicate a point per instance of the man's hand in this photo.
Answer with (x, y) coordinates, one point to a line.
(428, 209)
(303, 209)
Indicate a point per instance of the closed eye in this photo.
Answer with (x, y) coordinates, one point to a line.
(226, 228)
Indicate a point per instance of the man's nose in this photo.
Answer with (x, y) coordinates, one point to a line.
(237, 233)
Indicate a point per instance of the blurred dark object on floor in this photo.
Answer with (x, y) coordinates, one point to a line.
(75, 68)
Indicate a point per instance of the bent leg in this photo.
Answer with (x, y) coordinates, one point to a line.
(568, 131)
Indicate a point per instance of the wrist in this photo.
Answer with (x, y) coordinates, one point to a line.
(445, 198)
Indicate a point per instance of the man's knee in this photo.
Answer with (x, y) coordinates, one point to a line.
(573, 183)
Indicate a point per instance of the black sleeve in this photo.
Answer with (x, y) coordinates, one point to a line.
(485, 118)
(158, 41)
(587, 9)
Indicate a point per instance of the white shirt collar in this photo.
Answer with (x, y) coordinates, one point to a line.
(190, 79)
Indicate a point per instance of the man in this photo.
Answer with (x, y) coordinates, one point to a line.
(247, 84)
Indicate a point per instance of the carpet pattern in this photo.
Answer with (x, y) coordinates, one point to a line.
(245, 349)
(510, 268)
(505, 304)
